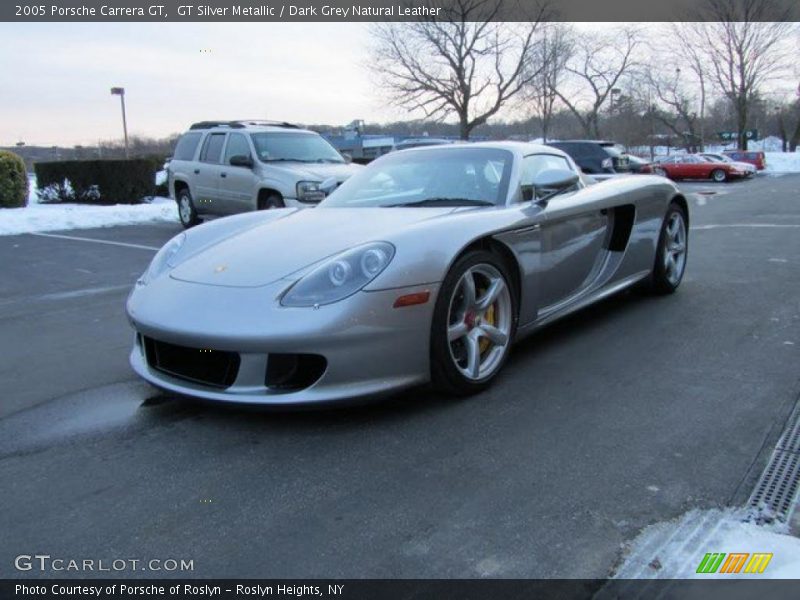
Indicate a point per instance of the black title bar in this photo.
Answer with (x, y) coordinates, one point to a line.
(368, 10)
(396, 589)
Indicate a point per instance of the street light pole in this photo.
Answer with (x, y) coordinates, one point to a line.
(120, 91)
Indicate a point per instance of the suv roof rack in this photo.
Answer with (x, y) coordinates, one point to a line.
(242, 123)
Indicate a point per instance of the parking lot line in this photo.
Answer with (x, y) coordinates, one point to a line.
(747, 225)
(83, 239)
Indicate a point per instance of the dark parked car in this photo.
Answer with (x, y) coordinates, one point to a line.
(594, 156)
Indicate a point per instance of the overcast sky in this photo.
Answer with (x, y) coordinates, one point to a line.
(55, 78)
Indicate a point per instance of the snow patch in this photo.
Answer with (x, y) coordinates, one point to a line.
(53, 217)
(673, 550)
(782, 162)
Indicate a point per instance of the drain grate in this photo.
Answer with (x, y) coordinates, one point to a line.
(776, 491)
(790, 440)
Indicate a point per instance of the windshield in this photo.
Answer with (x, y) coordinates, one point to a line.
(716, 158)
(442, 175)
(297, 147)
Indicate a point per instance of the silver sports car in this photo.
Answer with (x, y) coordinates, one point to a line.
(423, 267)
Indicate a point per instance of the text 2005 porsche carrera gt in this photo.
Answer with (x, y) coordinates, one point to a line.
(423, 267)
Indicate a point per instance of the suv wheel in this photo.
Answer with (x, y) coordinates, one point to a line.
(186, 211)
(269, 201)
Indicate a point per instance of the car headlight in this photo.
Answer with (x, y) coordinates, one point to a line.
(341, 276)
(309, 191)
(163, 260)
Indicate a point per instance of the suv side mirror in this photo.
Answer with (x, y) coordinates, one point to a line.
(347, 158)
(548, 183)
(241, 160)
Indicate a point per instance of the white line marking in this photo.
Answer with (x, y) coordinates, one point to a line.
(83, 239)
(66, 295)
(749, 225)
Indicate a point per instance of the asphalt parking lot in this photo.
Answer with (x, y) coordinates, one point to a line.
(628, 413)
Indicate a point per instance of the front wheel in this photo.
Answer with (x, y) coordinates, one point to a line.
(474, 323)
(660, 171)
(270, 201)
(673, 248)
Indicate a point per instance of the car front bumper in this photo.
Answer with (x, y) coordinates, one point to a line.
(370, 348)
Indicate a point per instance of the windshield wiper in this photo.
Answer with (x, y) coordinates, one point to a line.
(443, 202)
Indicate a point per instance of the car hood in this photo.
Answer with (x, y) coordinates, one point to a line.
(318, 171)
(279, 247)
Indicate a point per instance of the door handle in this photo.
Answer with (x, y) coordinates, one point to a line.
(196, 171)
(223, 174)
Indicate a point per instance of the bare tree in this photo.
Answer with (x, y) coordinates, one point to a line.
(678, 104)
(550, 59)
(740, 44)
(465, 62)
(595, 69)
(684, 46)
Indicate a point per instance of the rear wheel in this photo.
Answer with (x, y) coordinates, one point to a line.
(660, 171)
(673, 247)
(719, 175)
(186, 210)
(473, 324)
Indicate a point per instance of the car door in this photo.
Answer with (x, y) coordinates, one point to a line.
(573, 233)
(207, 174)
(237, 183)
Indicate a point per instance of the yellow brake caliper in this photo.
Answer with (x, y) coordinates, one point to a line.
(488, 318)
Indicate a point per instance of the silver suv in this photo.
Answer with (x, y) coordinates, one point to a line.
(227, 167)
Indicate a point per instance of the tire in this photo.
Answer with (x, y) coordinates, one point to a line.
(469, 362)
(672, 252)
(186, 210)
(719, 175)
(661, 172)
(270, 201)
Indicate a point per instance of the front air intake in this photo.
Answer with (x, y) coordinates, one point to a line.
(214, 368)
(292, 372)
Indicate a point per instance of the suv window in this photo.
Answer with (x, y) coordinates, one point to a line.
(212, 148)
(237, 146)
(186, 146)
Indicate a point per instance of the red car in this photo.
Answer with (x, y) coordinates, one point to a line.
(754, 158)
(693, 167)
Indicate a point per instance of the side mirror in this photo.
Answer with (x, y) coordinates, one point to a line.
(241, 160)
(347, 158)
(548, 183)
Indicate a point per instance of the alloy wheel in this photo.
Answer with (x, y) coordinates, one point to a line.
(675, 248)
(479, 322)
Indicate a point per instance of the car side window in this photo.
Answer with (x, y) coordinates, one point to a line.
(536, 163)
(237, 146)
(186, 146)
(212, 148)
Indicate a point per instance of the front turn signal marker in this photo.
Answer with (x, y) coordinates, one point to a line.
(412, 299)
